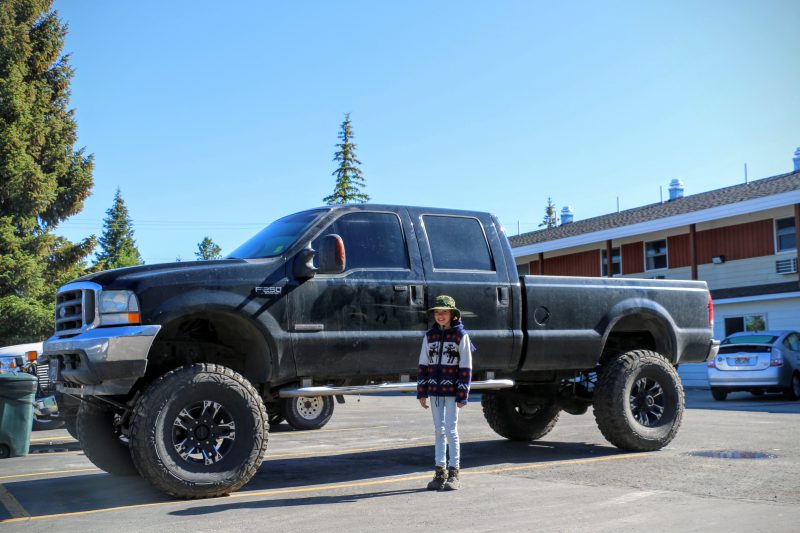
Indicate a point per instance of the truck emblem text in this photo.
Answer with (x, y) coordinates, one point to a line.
(267, 291)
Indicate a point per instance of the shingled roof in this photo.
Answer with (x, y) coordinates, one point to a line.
(687, 204)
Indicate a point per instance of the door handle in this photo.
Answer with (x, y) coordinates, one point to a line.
(417, 295)
(502, 296)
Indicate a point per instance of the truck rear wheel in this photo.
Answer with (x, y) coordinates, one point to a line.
(518, 419)
(308, 412)
(638, 403)
(100, 437)
(199, 431)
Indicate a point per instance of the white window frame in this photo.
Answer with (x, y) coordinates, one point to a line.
(617, 262)
(666, 255)
(777, 240)
(744, 317)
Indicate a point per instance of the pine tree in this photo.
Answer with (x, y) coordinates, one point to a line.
(348, 176)
(550, 220)
(118, 248)
(43, 179)
(207, 250)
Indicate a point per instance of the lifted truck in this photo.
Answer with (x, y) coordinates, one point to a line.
(180, 367)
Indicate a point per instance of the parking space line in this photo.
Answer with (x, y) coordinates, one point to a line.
(50, 472)
(53, 439)
(337, 486)
(12, 505)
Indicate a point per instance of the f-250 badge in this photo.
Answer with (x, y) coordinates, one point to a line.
(267, 291)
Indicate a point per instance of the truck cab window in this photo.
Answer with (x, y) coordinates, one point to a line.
(457, 243)
(371, 240)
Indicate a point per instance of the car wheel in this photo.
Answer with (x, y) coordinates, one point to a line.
(308, 412)
(718, 394)
(793, 392)
(199, 431)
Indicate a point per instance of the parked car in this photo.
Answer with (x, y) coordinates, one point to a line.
(757, 362)
(23, 358)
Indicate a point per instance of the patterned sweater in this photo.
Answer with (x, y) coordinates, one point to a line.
(445, 363)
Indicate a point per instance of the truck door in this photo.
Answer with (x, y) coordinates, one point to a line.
(457, 254)
(368, 320)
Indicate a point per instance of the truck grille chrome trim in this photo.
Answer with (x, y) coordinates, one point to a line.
(75, 308)
(489, 384)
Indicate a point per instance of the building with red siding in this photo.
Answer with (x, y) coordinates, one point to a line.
(741, 240)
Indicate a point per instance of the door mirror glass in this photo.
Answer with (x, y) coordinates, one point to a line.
(332, 259)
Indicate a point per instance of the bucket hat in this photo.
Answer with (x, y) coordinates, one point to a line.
(446, 302)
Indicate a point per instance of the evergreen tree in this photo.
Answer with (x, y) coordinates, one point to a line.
(118, 248)
(208, 250)
(550, 220)
(348, 176)
(43, 179)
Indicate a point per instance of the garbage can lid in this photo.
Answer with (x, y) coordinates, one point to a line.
(18, 382)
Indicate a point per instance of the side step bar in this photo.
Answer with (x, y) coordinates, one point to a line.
(489, 384)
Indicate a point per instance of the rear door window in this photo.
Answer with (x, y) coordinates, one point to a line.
(457, 243)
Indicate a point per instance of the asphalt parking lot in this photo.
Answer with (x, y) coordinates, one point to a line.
(367, 469)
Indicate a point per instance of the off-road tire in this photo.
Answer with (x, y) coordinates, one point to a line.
(71, 425)
(223, 401)
(518, 420)
(639, 383)
(101, 441)
(308, 413)
(719, 394)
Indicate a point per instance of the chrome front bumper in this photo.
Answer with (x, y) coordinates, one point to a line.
(100, 361)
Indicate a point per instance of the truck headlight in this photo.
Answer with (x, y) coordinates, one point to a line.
(118, 307)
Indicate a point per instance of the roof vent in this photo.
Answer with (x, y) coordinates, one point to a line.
(796, 159)
(675, 189)
(566, 215)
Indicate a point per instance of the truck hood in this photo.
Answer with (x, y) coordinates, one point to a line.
(179, 269)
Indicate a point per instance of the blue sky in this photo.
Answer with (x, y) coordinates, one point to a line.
(216, 118)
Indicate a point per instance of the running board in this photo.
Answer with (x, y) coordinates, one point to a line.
(489, 384)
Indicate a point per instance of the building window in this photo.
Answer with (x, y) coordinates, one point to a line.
(785, 236)
(616, 262)
(655, 254)
(524, 269)
(735, 324)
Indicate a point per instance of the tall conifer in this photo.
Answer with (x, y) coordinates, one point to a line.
(43, 178)
(118, 248)
(349, 179)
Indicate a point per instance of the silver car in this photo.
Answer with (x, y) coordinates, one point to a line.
(758, 362)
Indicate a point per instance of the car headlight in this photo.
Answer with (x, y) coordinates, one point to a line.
(118, 307)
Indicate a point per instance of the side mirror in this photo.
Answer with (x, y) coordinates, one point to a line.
(303, 267)
(332, 259)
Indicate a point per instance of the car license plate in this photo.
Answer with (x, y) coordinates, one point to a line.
(52, 370)
(741, 361)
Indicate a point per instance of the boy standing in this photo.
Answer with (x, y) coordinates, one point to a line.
(445, 373)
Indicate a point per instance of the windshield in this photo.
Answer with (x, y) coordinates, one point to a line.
(277, 237)
(751, 339)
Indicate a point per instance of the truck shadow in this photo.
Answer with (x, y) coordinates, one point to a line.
(82, 493)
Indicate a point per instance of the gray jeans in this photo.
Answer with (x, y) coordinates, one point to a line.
(445, 423)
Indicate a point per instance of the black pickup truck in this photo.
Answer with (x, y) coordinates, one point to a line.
(179, 368)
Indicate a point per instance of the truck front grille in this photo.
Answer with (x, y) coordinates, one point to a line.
(74, 310)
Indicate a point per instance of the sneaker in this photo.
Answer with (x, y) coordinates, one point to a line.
(452, 482)
(439, 478)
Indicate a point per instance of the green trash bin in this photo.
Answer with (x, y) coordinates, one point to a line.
(17, 394)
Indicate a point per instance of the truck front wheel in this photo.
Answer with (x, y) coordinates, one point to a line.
(199, 431)
(99, 433)
(308, 412)
(518, 419)
(638, 403)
